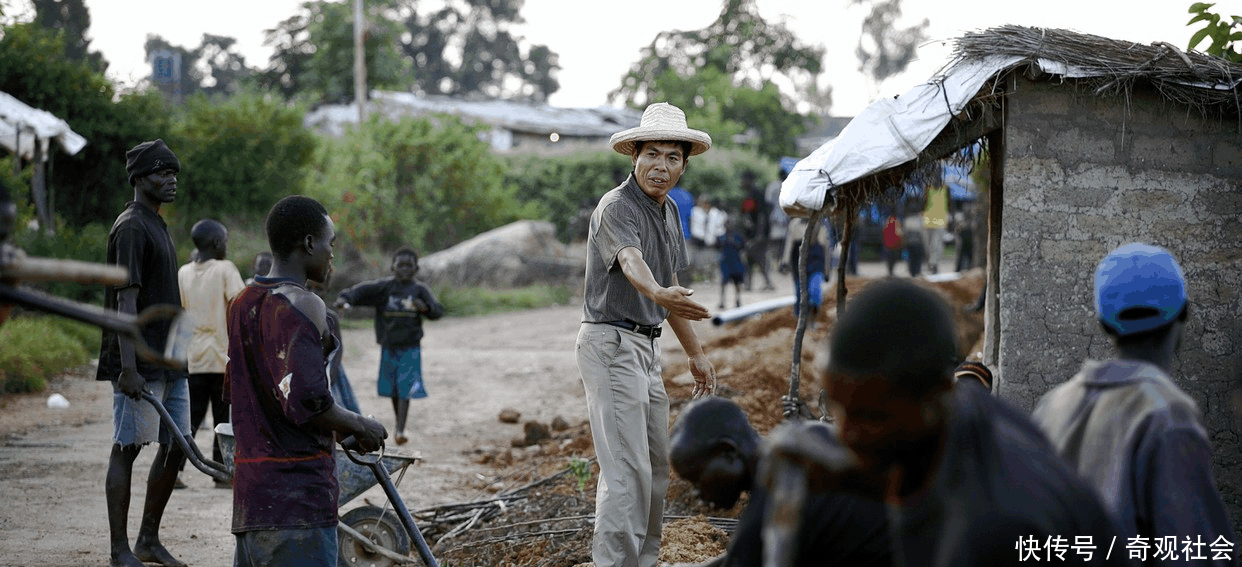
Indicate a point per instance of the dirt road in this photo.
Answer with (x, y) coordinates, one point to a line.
(52, 461)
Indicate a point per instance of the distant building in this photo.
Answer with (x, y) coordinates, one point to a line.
(514, 126)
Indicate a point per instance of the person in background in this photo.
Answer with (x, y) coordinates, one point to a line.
(892, 242)
(912, 236)
(754, 219)
(1126, 425)
(813, 276)
(935, 223)
(342, 390)
(207, 286)
(732, 267)
(964, 240)
(685, 207)
(401, 303)
(260, 266)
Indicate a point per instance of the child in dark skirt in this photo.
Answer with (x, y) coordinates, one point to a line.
(401, 303)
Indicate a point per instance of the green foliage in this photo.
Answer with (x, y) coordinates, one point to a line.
(87, 243)
(213, 68)
(314, 52)
(457, 47)
(422, 182)
(466, 301)
(884, 49)
(35, 348)
(558, 186)
(72, 20)
(722, 76)
(238, 155)
(581, 469)
(1217, 28)
(92, 185)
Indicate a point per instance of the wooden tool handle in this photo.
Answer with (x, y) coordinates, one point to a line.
(31, 269)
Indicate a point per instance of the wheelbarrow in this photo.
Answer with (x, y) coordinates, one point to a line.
(369, 535)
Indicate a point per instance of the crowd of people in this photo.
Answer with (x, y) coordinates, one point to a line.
(915, 463)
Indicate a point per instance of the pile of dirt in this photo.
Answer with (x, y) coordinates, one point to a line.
(550, 525)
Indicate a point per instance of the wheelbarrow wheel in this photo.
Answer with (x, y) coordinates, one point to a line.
(384, 531)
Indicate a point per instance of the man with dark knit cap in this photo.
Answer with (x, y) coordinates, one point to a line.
(140, 243)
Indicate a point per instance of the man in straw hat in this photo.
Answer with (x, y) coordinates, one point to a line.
(635, 247)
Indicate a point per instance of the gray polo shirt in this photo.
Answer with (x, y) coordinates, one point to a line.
(625, 217)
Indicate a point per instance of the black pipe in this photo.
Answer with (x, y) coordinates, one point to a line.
(381, 474)
(209, 467)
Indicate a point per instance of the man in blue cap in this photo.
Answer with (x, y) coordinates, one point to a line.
(1130, 430)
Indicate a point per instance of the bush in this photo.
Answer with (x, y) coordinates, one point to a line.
(35, 348)
(422, 182)
(239, 155)
(88, 244)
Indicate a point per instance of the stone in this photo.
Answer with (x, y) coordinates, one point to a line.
(509, 415)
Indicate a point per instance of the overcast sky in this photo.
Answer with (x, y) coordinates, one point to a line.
(598, 41)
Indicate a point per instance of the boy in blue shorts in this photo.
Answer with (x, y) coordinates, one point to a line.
(401, 302)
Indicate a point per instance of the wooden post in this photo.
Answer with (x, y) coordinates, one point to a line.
(38, 188)
(360, 63)
(851, 211)
(808, 237)
(996, 204)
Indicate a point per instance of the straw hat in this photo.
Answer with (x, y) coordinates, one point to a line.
(661, 121)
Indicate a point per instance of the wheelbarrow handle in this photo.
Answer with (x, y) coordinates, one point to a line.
(209, 467)
(376, 465)
(121, 323)
(35, 269)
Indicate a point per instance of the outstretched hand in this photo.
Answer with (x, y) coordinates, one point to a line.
(677, 300)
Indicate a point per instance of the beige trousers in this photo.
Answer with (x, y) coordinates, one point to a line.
(628, 410)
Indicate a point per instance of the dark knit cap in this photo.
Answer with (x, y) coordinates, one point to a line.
(149, 157)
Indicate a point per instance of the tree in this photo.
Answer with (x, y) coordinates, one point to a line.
(884, 49)
(466, 47)
(240, 154)
(91, 185)
(313, 52)
(73, 20)
(1218, 29)
(726, 77)
(214, 67)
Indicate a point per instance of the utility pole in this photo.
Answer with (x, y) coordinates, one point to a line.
(360, 64)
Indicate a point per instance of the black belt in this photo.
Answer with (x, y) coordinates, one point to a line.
(649, 331)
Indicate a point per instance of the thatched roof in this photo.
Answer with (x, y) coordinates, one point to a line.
(894, 140)
(1189, 77)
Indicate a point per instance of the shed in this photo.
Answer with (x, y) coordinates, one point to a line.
(28, 133)
(512, 125)
(1093, 143)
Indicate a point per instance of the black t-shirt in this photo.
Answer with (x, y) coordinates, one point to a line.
(397, 323)
(139, 242)
(836, 529)
(997, 480)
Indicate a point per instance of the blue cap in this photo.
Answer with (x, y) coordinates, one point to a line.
(1139, 275)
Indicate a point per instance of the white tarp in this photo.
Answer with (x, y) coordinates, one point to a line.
(891, 132)
(22, 125)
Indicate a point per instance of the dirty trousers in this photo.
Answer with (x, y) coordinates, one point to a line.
(628, 410)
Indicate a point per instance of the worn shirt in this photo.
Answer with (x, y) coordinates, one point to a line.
(206, 289)
(139, 242)
(397, 323)
(625, 217)
(1139, 439)
(996, 480)
(285, 470)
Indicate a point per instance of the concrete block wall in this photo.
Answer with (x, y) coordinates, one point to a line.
(1085, 174)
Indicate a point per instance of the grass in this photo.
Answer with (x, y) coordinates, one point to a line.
(38, 347)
